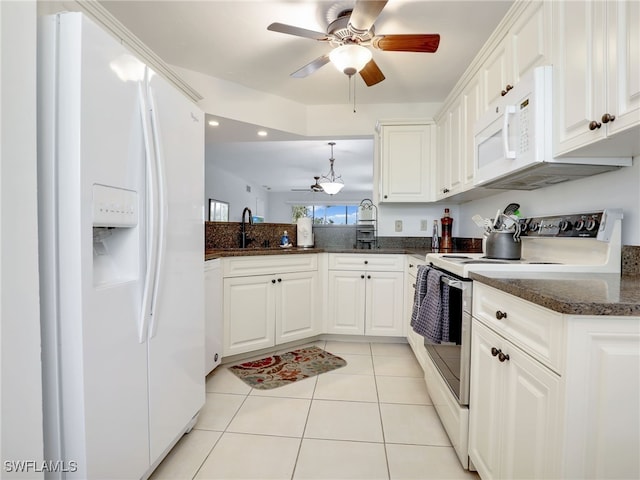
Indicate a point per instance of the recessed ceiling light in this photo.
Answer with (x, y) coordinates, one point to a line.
(262, 133)
(214, 123)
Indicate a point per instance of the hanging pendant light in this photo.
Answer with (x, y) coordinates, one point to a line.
(331, 183)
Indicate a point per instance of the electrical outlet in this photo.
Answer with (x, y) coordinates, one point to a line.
(424, 225)
(398, 225)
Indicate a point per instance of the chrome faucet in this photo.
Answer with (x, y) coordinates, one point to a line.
(243, 235)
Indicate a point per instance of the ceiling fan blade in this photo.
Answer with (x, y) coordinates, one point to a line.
(371, 73)
(407, 43)
(309, 68)
(297, 31)
(365, 13)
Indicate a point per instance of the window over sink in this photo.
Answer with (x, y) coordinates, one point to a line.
(326, 214)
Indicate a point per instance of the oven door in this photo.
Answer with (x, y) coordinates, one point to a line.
(452, 359)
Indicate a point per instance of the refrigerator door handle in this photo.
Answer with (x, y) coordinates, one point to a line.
(151, 231)
(161, 209)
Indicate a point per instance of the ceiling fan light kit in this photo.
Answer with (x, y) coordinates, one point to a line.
(350, 59)
(330, 183)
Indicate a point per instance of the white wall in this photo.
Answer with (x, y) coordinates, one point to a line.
(617, 189)
(21, 397)
(227, 187)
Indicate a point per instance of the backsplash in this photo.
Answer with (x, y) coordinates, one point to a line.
(631, 260)
(227, 234)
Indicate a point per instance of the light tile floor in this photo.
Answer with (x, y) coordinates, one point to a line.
(372, 419)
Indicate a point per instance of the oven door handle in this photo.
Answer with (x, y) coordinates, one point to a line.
(452, 282)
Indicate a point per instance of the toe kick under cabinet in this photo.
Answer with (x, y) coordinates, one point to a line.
(552, 395)
(269, 300)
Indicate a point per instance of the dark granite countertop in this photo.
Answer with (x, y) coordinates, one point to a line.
(571, 293)
(245, 252)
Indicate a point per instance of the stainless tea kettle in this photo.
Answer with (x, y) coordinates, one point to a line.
(503, 242)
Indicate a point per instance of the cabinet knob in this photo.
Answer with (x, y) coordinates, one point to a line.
(506, 90)
(445, 190)
(503, 357)
(279, 280)
(362, 276)
(273, 281)
(386, 196)
(594, 125)
(366, 262)
(500, 315)
(606, 118)
(368, 276)
(494, 351)
(411, 265)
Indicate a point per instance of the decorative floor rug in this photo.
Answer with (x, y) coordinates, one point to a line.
(286, 368)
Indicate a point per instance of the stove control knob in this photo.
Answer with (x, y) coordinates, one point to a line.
(580, 224)
(565, 225)
(592, 224)
(524, 226)
(533, 226)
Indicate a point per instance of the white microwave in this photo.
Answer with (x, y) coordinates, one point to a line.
(513, 141)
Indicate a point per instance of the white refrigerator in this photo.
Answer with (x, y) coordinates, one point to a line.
(121, 173)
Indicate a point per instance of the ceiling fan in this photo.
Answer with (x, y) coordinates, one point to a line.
(350, 34)
(316, 187)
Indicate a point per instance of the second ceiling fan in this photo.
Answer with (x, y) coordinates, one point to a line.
(351, 33)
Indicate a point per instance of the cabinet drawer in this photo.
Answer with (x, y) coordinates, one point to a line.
(374, 261)
(268, 264)
(536, 330)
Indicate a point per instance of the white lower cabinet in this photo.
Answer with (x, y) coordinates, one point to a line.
(261, 311)
(552, 395)
(365, 294)
(514, 409)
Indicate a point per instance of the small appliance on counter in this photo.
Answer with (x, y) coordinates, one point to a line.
(305, 232)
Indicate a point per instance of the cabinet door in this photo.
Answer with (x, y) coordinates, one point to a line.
(472, 111)
(296, 306)
(346, 302)
(443, 132)
(406, 163)
(530, 40)
(249, 313)
(384, 304)
(530, 447)
(495, 74)
(579, 73)
(485, 402)
(623, 70)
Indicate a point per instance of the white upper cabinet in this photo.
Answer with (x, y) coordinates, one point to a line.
(405, 159)
(525, 46)
(596, 60)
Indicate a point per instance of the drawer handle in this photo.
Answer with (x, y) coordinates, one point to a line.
(502, 357)
(495, 351)
(500, 315)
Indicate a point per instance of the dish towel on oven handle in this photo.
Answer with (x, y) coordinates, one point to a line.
(430, 314)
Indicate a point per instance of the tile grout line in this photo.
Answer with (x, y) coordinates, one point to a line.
(384, 440)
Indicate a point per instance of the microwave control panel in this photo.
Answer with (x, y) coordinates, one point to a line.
(576, 225)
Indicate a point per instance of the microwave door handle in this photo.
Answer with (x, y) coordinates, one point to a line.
(509, 110)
